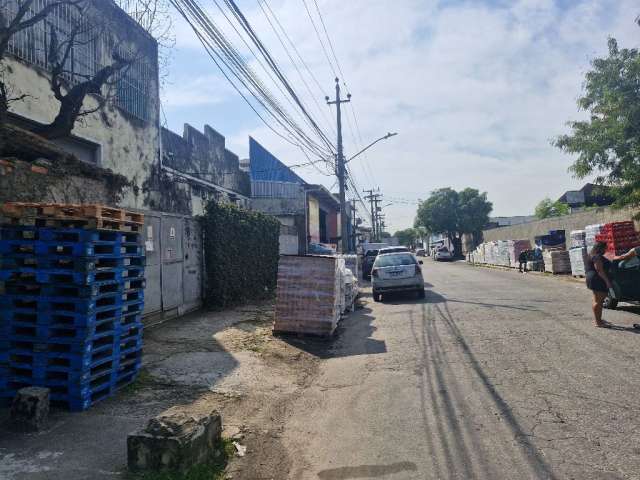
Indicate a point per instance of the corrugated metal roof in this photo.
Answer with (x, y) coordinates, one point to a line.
(267, 168)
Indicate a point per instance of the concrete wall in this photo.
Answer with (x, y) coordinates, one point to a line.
(203, 155)
(575, 221)
(120, 141)
(289, 245)
(26, 182)
(279, 206)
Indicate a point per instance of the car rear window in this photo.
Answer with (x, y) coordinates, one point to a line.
(393, 260)
(393, 250)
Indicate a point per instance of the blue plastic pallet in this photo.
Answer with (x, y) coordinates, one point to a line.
(87, 305)
(76, 264)
(62, 334)
(56, 376)
(19, 332)
(76, 235)
(64, 290)
(63, 305)
(68, 318)
(59, 276)
(110, 344)
(65, 333)
(65, 320)
(81, 397)
(38, 247)
(58, 361)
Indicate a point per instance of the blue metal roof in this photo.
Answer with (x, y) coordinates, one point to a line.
(267, 168)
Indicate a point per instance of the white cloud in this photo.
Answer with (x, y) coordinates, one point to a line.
(475, 89)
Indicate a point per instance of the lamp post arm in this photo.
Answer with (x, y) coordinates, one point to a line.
(387, 136)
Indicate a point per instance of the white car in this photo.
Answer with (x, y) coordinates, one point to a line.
(388, 250)
(396, 272)
(442, 254)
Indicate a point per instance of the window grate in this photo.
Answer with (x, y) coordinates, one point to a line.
(91, 51)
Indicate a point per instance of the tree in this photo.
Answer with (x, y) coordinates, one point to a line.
(548, 208)
(608, 142)
(85, 26)
(454, 214)
(407, 237)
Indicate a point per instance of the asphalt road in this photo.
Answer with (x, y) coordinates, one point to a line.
(495, 375)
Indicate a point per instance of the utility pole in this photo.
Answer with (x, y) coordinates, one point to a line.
(377, 201)
(341, 170)
(355, 226)
(372, 197)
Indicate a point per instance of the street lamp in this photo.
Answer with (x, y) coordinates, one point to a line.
(387, 136)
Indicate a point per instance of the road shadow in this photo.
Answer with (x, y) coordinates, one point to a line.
(352, 337)
(410, 298)
(366, 471)
(635, 309)
(443, 398)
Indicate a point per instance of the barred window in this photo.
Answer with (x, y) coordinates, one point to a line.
(92, 50)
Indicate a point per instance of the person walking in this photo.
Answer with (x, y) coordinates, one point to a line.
(598, 280)
(522, 260)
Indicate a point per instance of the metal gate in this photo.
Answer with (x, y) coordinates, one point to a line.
(174, 266)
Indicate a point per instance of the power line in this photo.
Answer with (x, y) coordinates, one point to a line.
(293, 62)
(329, 41)
(231, 64)
(324, 49)
(295, 49)
(249, 29)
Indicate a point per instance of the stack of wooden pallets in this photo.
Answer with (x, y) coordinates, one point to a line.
(71, 300)
(60, 215)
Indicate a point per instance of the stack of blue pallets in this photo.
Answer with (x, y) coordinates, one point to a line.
(71, 302)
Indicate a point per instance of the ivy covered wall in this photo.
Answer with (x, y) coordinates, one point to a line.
(241, 254)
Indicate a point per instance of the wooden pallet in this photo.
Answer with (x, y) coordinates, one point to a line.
(74, 213)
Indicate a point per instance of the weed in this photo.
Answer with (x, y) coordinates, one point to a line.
(207, 471)
(145, 379)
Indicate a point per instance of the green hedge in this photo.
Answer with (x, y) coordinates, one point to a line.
(241, 254)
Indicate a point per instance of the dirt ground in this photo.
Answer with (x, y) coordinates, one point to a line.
(226, 360)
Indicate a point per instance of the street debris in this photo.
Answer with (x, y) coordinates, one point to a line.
(241, 450)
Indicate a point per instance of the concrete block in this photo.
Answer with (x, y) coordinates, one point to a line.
(175, 440)
(30, 409)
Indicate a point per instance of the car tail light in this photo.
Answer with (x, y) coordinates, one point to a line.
(375, 273)
(418, 270)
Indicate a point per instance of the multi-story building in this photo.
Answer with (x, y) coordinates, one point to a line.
(307, 213)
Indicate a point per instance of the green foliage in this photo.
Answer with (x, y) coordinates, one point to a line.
(205, 471)
(548, 208)
(454, 213)
(241, 254)
(406, 237)
(608, 143)
(451, 212)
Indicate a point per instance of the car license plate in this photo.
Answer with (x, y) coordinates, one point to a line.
(395, 274)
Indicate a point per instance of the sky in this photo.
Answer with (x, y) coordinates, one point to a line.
(476, 91)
